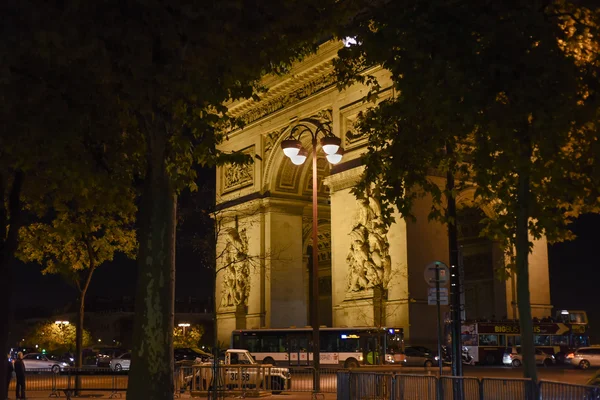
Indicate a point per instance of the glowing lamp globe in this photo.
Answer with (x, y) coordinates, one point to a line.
(299, 158)
(291, 147)
(330, 144)
(336, 157)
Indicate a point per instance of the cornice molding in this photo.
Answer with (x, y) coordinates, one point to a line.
(344, 179)
(308, 77)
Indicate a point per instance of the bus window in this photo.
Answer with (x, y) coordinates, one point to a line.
(270, 344)
(298, 344)
(252, 344)
(469, 340)
(513, 340)
(560, 340)
(235, 342)
(328, 342)
(541, 340)
(578, 317)
(580, 341)
(349, 343)
(489, 340)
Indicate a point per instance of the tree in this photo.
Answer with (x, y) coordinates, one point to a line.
(84, 232)
(187, 336)
(502, 96)
(167, 68)
(61, 127)
(52, 337)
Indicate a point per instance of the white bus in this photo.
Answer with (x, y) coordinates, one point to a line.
(347, 347)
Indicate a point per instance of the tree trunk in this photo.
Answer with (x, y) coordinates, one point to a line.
(11, 219)
(151, 375)
(522, 268)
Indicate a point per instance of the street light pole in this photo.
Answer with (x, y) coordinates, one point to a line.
(315, 272)
(292, 147)
(183, 326)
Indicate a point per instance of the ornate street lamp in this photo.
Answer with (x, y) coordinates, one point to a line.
(292, 148)
(183, 325)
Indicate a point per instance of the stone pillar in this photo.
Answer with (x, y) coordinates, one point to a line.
(427, 241)
(539, 283)
(285, 296)
(240, 316)
(375, 306)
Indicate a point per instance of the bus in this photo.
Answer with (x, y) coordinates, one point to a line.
(487, 341)
(346, 347)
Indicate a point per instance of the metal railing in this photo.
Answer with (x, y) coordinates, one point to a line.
(549, 390)
(358, 385)
(348, 384)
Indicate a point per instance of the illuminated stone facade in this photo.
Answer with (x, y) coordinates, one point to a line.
(368, 274)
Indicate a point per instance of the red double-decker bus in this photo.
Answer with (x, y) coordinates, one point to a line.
(488, 341)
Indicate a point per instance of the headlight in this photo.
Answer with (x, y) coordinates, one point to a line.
(360, 357)
(436, 358)
(552, 356)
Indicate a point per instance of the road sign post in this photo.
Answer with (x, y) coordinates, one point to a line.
(437, 274)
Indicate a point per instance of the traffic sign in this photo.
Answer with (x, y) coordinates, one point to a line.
(444, 273)
(432, 297)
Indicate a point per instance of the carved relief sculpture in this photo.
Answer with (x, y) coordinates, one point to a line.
(236, 276)
(369, 262)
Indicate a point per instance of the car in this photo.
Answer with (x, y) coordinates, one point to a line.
(121, 363)
(514, 358)
(106, 354)
(240, 370)
(66, 357)
(419, 356)
(41, 361)
(585, 357)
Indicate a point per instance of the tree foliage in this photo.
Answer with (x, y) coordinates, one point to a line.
(155, 75)
(187, 337)
(502, 94)
(52, 337)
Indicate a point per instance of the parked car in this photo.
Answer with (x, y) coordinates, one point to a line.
(106, 354)
(419, 356)
(66, 357)
(41, 361)
(585, 357)
(121, 363)
(514, 358)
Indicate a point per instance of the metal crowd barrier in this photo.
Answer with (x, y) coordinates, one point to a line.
(233, 380)
(550, 390)
(303, 379)
(358, 385)
(415, 387)
(459, 388)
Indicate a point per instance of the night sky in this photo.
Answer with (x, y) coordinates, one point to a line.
(574, 277)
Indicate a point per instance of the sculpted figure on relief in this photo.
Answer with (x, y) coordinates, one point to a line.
(369, 262)
(236, 278)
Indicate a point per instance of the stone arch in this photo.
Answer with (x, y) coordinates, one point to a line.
(281, 175)
(466, 198)
(484, 294)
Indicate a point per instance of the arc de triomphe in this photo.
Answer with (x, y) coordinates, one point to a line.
(264, 226)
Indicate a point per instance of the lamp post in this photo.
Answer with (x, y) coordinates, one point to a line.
(292, 148)
(183, 326)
